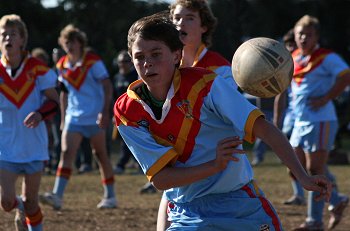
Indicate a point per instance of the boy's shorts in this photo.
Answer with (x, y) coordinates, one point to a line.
(314, 136)
(22, 168)
(243, 209)
(85, 130)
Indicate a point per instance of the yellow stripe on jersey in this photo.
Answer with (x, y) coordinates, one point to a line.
(168, 157)
(187, 123)
(248, 129)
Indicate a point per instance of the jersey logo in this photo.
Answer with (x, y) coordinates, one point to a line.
(264, 227)
(185, 108)
(143, 123)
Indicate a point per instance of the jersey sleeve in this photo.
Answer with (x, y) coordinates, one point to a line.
(47, 80)
(151, 156)
(232, 107)
(99, 70)
(336, 65)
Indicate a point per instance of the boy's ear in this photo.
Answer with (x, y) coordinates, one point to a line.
(177, 56)
(204, 29)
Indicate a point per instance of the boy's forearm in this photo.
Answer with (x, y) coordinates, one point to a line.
(170, 177)
(281, 146)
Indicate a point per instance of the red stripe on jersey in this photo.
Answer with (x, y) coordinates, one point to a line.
(77, 76)
(16, 90)
(302, 68)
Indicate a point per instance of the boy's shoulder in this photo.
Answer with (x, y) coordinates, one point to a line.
(127, 110)
(212, 58)
(195, 73)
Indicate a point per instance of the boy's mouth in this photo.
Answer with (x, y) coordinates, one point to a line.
(150, 74)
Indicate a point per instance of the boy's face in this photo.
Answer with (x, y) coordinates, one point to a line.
(306, 38)
(189, 24)
(11, 41)
(71, 46)
(154, 62)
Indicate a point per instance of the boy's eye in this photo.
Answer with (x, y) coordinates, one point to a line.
(139, 57)
(156, 54)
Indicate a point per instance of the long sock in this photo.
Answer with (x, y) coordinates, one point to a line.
(297, 188)
(108, 187)
(315, 208)
(35, 221)
(335, 197)
(61, 181)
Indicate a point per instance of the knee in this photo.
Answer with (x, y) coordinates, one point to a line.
(7, 203)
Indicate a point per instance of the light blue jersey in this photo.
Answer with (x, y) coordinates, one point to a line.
(85, 91)
(20, 95)
(215, 112)
(314, 78)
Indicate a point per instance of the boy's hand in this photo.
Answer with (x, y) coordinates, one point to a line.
(32, 120)
(318, 183)
(225, 151)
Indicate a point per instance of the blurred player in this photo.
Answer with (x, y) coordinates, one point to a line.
(85, 111)
(319, 76)
(27, 98)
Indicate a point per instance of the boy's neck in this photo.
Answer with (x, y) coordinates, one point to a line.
(74, 58)
(15, 60)
(189, 55)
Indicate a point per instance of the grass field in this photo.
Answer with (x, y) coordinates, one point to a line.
(138, 212)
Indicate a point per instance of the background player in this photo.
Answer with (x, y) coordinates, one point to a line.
(319, 76)
(85, 106)
(27, 98)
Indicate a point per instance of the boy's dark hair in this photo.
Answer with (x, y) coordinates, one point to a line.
(206, 15)
(156, 27)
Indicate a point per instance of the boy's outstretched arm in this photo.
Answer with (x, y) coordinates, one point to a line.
(279, 144)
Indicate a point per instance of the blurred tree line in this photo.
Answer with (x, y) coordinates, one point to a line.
(106, 22)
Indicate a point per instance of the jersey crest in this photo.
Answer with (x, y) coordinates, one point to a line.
(16, 90)
(302, 66)
(77, 76)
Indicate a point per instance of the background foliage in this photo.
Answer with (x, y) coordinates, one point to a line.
(106, 22)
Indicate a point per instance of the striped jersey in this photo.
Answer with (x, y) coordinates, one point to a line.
(201, 109)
